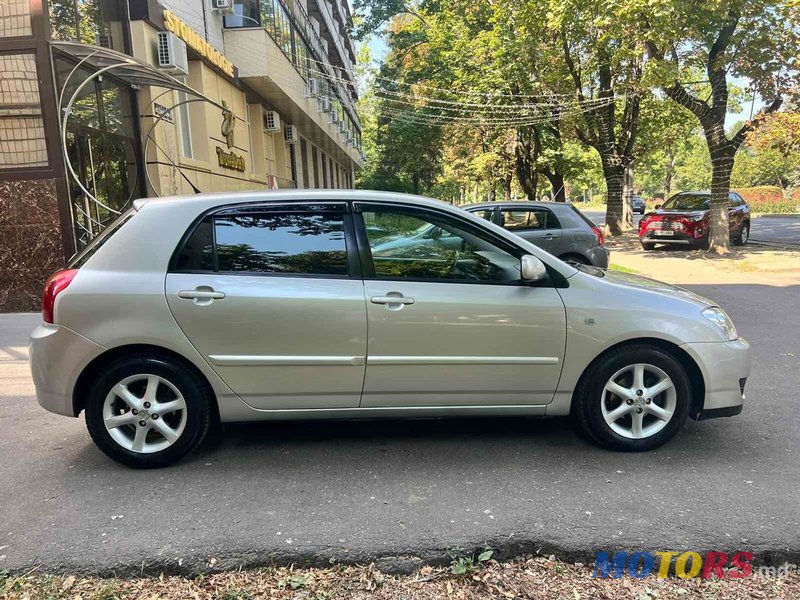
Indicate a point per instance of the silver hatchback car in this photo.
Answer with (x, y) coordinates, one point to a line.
(354, 304)
(558, 227)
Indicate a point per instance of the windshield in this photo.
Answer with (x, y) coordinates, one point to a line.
(688, 202)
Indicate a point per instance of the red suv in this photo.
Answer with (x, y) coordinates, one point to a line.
(683, 219)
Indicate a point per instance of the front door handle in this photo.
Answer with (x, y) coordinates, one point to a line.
(550, 236)
(391, 300)
(202, 295)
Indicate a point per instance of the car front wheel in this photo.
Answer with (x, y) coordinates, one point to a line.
(633, 398)
(743, 235)
(148, 411)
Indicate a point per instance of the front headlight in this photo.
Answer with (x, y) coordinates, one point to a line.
(718, 316)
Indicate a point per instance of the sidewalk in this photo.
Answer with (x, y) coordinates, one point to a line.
(764, 264)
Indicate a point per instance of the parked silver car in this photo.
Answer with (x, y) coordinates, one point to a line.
(558, 227)
(337, 304)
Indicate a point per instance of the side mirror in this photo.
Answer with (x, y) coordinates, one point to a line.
(658, 206)
(532, 269)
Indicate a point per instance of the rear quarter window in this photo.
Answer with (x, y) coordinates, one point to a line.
(82, 257)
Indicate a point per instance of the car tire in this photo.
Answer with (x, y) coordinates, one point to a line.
(648, 246)
(186, 418)
(594, 405)
(575, 258)
(743, 236)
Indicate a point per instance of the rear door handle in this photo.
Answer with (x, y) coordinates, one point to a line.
(550, 236)
(391, 300)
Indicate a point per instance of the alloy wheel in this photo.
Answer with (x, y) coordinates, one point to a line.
(144, 413)
(638, 401)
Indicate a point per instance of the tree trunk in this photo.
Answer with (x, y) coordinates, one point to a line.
(490, 192)
(557, 183)
(719, 240)
(669, 174)
(627, 196)
(415, 182)
(507, 187)
(614, 174)
(525, 159)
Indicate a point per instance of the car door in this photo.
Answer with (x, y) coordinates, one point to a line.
(537, 225)
(272, 298)
(453, 327)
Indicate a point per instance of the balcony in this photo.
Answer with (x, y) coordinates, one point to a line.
(263, 40)
(292, 30)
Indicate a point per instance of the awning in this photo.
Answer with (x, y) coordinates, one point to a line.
(125, 68)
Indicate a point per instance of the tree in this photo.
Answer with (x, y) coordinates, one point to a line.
(591, 44)
(754, 40)
(665, 134)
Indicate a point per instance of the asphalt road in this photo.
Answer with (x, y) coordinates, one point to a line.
(772, 230)
(398, 492)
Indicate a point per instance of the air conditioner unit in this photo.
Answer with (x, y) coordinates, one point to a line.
(290, 134)
(312, 88)
(342, 127)
(225, 7)
(333, 117)
(172, 53)
(272, 121)
(103, 40)
(323, 104)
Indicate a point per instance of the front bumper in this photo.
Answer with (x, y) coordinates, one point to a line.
(725, 367)
(677, 237)
(58, 356)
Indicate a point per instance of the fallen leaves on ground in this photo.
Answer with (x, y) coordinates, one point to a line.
(528, 578)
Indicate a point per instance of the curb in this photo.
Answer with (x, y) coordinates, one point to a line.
(775, 215)
(400, 561)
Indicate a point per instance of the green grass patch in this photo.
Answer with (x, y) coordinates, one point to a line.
(622, 269)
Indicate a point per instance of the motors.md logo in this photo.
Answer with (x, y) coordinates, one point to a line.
(686, 564)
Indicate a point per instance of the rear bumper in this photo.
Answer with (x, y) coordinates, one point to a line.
(58, 355)
(725, 367)
(600, 256)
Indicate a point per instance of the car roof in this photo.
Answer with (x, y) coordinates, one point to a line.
(292, 195)
(517, 203)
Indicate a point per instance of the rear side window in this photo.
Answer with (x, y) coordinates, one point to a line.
(272, 242)
(528, 219)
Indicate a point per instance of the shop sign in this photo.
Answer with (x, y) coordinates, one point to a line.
(197, 43)
(230, 160)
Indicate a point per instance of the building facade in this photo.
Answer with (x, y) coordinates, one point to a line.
(106, 101)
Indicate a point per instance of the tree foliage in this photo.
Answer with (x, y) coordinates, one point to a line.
(654, 78)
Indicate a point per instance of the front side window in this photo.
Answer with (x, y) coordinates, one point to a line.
(302, 243)
(523, 220)
(419, 246)
(486, 213)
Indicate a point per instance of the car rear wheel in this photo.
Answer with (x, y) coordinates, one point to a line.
(575, 258)
(648, 246)
(743, 236)
(634, 398)
(148, 411)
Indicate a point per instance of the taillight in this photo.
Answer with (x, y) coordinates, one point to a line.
(601, 239)
(57, 283)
